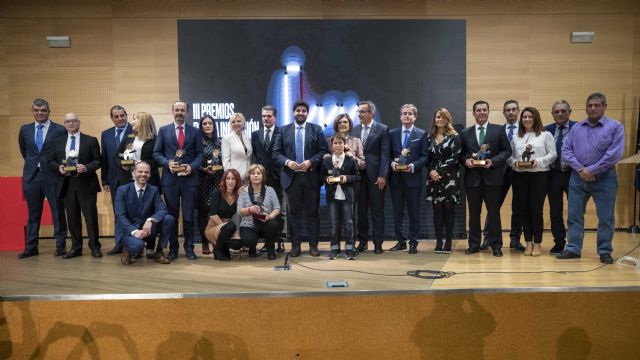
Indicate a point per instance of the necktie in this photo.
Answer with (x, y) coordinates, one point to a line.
(510, 134)
(180, 137)
(267, 139)
(140, 193)
(118, 136)
(405, 143)
(481, 136)
(560, 130)
(299, 146)
(73, 143)
(365, 134)
(39, 137)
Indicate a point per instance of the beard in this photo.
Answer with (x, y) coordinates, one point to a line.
(300, 119)
(179, 119)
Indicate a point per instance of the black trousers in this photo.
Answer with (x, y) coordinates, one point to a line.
(370, 198)
(77, 203)
(269, 230)
(224, 240)
(303, 196)
(444, 217)
(490, 195)
(558, 188)
(529, 192)
(516, 229)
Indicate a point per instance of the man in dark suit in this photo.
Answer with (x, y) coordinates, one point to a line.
(510, 111)
(375, 141)
(262, 141)
(179, 151)
(559, 175)
(298, 150)
(483, 183)
(77, 158)
(38, 180)
(110, 140)
(410, 154)
(141, 215)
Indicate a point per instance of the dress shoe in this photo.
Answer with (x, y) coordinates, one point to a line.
(438, 248)
(72, 254)
(271, 253)
(116, 250)
(313, 250)
(446, 249)
(172, 255)
(125, 258)
(413, 249)
(26, 254)
(96, 253)
(378, 250)
(537, 250)
(566, 254)
(60, 252)
(160, 259)
(280, 248)
(333, 254)
(517, 245)
(363, 246)
(218, 254)
(497, 252)
(295, 251)
(485, 245)
(192, 256)
(350, 254)
(401, 245)
(557, 248)
(606, 259)
(471, 251)
(253, 253)
(529, 249)
(263, 249)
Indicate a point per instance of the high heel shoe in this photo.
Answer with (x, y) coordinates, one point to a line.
(529, 249)
(438, 248)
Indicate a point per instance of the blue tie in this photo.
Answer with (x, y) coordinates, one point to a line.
(73, 143)
(39, 137)
(299, 146)
(405, 143)
(560, 130)
(118, 136)
(510, 134)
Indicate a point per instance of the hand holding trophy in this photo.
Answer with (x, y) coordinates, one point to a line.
(334, 177)
(176, 166)
(526, 158)
(402, 162)
(215, 162)
(70, 164)
(479, 159)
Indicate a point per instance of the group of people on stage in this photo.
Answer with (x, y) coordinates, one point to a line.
(247, 187)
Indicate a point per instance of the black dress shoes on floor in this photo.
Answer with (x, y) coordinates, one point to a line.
(193, 256)
(271, 253)
(172, 255)
(413, 249)
(566, 254)
(497, 252)
(401, 245)
(606, 259)
(60, 252)
(362, 246)
(471, 251)
(72, 254)
(485, 245)
(295, 251)
(313, 250)
(516, 245)
(557, 248)
(378, 250)
(27, 254)
(115, 251)
(96, 253)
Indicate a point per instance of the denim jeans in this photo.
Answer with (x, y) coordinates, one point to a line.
(603, 190)
(345, 208)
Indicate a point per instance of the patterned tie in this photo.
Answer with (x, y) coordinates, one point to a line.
(510, 134)
(267, 139)
(39, 141)
(365, 134)
(299, 146)
(73, 143)
(405, 143)
(118, 136)
(560, 130)
(180, 137)
(481, 136)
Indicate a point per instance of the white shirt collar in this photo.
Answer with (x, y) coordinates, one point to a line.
(138, 188)
(46, 124)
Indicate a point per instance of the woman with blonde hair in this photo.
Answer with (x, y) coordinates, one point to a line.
(236, 146)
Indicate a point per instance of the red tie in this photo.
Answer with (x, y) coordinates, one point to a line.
(180, 137)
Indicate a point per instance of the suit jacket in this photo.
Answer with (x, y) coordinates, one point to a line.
(264, 156)
(166, 147)
(418, 156)
(88, 155)
(111, 171)
(234, 155)
(32, 157)
(146, 154)
(500, 148)
(376, 150)
(315, 146)
(349, 169)
(132, 213)
(552, 127)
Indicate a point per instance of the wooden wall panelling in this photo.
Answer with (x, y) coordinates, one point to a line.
(506, 7)
(58, 8)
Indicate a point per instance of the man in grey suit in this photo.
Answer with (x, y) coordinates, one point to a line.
(373, 179)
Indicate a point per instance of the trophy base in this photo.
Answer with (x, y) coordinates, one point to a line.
(216, 167)
(333, 180)
(127, 162)
(69, 168)
(479, 163)
(524, 164)
(260, 217)
(402, 167)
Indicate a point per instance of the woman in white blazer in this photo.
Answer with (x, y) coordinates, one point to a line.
(236, 147)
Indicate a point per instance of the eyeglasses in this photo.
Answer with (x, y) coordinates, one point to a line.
(363, 111)
(71, 121)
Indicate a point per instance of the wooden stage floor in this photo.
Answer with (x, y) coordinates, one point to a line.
(46, 276)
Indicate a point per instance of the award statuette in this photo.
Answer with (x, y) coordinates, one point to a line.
(215, 163)
(128, 157)
(178, 167)
(334, 177)
(403, 160)
(70, 163)
(526, 158)
(262, 215)
(479, 158)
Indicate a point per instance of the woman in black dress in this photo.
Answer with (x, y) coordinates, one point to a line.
(210, 174)
(221, 227)
(443, 182)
